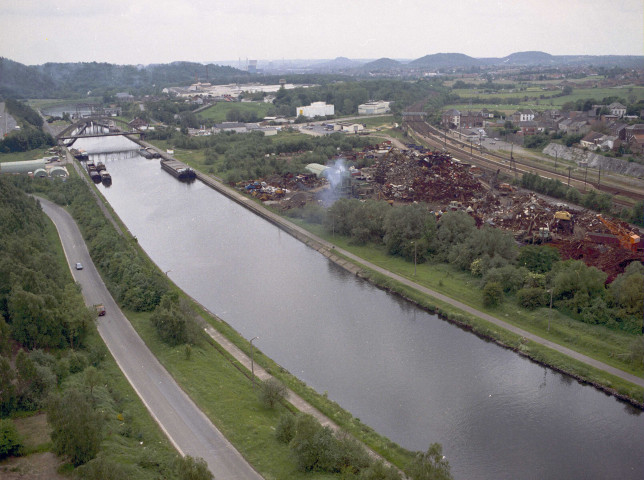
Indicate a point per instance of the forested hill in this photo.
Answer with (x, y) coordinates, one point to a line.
(74, 79)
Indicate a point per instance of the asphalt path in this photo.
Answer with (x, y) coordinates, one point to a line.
(189, 430)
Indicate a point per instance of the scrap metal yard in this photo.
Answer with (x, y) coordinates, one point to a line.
(418, 174)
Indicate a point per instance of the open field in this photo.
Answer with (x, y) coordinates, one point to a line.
(549, 100)
(219, 110)
(22, 156)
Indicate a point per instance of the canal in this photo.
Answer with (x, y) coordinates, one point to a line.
(411, 376)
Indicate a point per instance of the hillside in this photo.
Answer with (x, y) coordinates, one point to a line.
(444, 60)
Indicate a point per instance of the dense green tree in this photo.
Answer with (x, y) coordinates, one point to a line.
(454, 228)
(189, 468)
(538, 258)
(531, 298)
(76, 426)
(492, 294)
(494, 247)
(174, 321)
(8, 394)
(430, 465)
(509, 277)
(10, 441)
(410, 231)
(379, 471)
(285, 429)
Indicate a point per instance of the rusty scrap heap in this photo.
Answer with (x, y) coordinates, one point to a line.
(425, 177)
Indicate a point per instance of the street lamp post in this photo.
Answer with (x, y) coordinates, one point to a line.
(414, 244)
(252, 362)
(550, 313)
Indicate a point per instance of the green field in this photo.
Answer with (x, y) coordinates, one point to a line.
(22, 156)
(219, 110)
(550, 100)
(375, 122)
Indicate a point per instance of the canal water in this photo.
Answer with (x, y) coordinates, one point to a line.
(411, 376)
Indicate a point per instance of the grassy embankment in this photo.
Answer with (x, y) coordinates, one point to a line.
(609, 346)
(233, 405)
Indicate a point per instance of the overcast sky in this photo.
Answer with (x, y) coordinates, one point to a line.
(160, 31)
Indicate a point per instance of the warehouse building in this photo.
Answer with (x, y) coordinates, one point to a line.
(316, 109)
(374, 108)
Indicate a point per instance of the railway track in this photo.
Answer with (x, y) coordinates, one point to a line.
(495, 162)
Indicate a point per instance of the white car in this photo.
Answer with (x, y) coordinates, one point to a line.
(79, 266)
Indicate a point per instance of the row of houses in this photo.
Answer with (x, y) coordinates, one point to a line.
(605, 131)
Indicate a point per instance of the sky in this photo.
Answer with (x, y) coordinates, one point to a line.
(130, 32)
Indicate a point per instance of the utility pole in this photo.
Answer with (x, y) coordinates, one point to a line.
(555, 161)
(569, 176)
(599, 176)
(585, 175)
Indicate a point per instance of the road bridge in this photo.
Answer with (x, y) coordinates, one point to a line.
(115, 125)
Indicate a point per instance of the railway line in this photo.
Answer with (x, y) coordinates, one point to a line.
(495, 162)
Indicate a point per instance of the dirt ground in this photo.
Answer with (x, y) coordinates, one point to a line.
(37, 466)
(34, 431)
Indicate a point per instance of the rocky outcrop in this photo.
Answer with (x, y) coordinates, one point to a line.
(594, 160)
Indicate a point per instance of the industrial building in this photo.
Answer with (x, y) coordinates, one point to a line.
(35, 168)
(316, 109)
(374, 108)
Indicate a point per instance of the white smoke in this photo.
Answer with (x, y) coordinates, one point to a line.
(334, 174)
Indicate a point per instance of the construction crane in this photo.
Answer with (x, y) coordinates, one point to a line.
(629, 240)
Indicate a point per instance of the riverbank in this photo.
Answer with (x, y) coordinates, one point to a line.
(584, 368)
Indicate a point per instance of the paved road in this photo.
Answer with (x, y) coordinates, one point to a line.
(189, 430)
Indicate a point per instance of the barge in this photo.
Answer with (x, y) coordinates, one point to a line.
(178, 170)
(106, 178)
(148, 153)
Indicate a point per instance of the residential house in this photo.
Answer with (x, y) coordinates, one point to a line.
(635, 137)
(591, 140)
(525, 115)
(451, 118)
(617, 109)
(472, 119)
(529, 127)
(574, 126)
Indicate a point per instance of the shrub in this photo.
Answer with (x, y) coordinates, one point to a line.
(10, 441)
(531, 298)
(271, 392)
(285, 429)
(492, 294)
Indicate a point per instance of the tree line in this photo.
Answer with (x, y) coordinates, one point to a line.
(527, 275)
(31, 135)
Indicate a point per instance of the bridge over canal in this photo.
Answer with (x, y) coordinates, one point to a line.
(87, 127)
